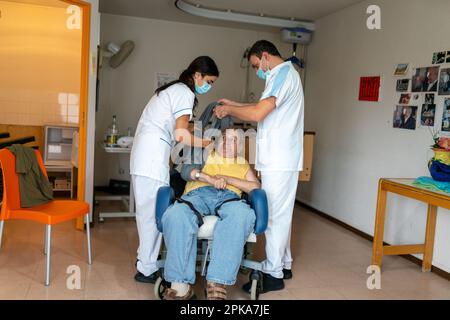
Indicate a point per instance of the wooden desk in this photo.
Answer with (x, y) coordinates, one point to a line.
(405, 187)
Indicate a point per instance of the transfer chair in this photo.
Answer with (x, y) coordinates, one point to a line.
(257, 200)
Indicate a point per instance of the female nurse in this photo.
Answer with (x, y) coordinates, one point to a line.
(164, 122)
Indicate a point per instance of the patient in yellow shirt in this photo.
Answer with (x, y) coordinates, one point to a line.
(215, 189)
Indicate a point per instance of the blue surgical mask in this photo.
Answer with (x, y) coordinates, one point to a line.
(263, 75)
(203, 89)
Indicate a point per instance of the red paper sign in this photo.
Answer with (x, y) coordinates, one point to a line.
(369, 89)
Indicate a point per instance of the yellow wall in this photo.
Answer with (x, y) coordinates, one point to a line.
(40, 63)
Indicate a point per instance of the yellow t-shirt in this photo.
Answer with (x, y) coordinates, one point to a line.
(217, 165)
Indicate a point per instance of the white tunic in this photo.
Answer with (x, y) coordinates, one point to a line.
(280, 134)
(154, 136)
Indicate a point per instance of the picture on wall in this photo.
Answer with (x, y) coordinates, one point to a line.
(429, 98)
(405, 117)
(405, 99)
(444, 82)
(402, 85)
(428, 115)
(369, 89)
(439, 57)
(446, 116)
(448, 57)
(401, 70)
(425, 79)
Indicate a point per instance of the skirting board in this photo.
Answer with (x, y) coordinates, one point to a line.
(439, 272)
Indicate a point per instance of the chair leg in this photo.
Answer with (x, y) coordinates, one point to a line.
(2, 223)
(45, 241)
(48, 245)
(88, 236)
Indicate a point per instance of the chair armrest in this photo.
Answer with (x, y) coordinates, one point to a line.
(258, 202)
(164, 199)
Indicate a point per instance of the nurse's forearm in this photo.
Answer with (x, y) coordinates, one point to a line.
(185, 137)
(254, 112)
(244, 113)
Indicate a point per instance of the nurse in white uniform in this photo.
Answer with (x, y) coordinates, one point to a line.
(164, 122)
(279, 152)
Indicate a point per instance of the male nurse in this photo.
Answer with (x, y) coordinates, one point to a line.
(279, 152)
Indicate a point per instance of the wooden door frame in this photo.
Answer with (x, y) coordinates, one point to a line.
(84, 98)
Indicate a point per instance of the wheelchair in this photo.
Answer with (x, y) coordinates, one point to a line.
(257, 200)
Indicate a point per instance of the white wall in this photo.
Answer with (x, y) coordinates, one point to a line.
(36, 41)
(355, 143)
(95, 39)
(163, 46)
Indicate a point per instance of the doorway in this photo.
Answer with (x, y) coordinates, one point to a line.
(44, 76)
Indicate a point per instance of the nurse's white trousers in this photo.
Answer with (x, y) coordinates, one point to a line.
(281, 189)
(145, 190)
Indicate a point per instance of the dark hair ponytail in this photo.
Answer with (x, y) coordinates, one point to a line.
(204, 65)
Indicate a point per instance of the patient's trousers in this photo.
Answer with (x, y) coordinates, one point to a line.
(180, 228)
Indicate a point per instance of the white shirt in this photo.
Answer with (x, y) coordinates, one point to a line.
(280, 135)
(154, 137)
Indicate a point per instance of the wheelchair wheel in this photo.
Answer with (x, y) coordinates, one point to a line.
(160, 286)
(256, 281)
(254, 293)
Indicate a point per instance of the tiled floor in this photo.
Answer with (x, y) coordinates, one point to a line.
(330, 263)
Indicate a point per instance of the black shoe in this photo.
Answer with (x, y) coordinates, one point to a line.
(139, 277)
(269, 284)
(287, 274)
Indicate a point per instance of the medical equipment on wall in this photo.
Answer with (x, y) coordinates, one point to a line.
(116, 54)
(245, 64)
(297, 36)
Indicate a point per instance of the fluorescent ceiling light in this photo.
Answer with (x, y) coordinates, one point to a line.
(229, 15)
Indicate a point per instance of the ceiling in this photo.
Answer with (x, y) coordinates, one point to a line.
(308, 10)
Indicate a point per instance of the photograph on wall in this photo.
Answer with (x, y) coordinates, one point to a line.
(402, 85)
(448, 57)
(425, 79)
(429, 98)
(405, 117)
(446, 116)
(405, 99)
(402, 69)
(439, 57)
(163, 78)
(444, 82)
(428, 115)
(369, 89)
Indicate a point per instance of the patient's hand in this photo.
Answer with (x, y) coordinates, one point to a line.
(220, 183)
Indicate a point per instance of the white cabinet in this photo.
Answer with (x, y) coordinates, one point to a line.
(61, 158)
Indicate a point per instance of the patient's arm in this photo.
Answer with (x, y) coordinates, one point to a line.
(217, 182)
(251, 183)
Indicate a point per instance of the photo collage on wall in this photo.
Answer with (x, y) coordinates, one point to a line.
(428, 84)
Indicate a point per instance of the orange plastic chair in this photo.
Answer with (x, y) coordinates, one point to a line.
(49, 214)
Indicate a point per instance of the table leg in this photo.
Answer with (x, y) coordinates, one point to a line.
(429, 238)
(377, 253)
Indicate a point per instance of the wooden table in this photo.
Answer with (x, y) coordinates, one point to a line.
(405, 187)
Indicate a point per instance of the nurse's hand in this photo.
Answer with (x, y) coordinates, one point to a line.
(228, 102)
(222, 111)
